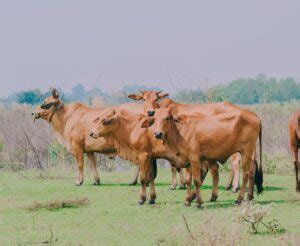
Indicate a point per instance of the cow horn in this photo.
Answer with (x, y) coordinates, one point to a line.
(159, 92)
(142, 92)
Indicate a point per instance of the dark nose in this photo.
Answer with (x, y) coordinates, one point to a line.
(158, 135)
(150, 112)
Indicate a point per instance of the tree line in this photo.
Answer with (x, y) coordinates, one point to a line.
(260, 89)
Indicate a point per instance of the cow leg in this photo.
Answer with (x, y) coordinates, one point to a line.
(80, 164)
(228, 185)
(189, 195)
(198, 176)
(182, 179)
(92, 161)
(294, 150)
(144, 178)
(152, 187)
(246, 161)
(214, 170)
(174, 180)
(235, 165)
(135, 176)
(251, 181)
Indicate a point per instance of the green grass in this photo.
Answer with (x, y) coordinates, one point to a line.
(112, 216)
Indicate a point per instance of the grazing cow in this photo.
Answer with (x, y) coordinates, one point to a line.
(138, 144)
(71, 124)
(152, 102)
(294, 143)
(205, 139)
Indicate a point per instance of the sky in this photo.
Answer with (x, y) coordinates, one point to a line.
(172, 44)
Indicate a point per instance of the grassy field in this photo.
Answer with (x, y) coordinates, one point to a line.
(112, 216)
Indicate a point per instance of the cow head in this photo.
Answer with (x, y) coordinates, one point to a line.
(104, 125)
(162, 123)
(151, 100)
(48, 107)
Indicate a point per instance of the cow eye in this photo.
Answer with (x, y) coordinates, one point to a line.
(46, 106)
(168, 118)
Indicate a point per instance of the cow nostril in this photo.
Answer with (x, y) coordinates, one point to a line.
(91, 135)
(150, 112)
(32, 114)
(158, 135)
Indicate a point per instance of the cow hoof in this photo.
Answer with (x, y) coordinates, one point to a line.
(141, 202)
(97, 182)
(187, 204)
(298, 188)
(172, 187)
(228, 187)
(133, 183)
(151, 202)
(198, 205)
(78, 183)
(235, 190)
(238, 202)
(182, 187)
(213, 199)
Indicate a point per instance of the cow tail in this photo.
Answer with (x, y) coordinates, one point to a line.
(154, 168)
(259, 171)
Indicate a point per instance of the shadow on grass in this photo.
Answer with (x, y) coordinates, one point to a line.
(203, 187)
(273, 188)
(231, 203)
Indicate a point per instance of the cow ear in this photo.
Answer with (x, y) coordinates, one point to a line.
(54, 92)
(96, 120)
(135, 97)
(110, 118)
(147, 122)
(160, 96)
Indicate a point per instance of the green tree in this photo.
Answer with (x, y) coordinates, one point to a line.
(30, 97)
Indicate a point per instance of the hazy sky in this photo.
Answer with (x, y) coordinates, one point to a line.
(114, 43)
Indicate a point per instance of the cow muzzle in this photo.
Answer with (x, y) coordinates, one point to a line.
(150, 112)
(94, 135)
(35, 116)
(158, 135)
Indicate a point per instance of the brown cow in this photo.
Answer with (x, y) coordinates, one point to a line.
(138, 145)
(205, 139)
(294, 143)
(71, 124)
(152, 102)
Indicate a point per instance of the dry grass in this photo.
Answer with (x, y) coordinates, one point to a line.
(58, 204)
(208, 232)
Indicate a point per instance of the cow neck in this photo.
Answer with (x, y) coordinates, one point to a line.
(174, 139)
(123, 129)
(59, 119)
(121, 139)
(166, 103)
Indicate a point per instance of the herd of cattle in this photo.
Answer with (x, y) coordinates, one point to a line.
(194, 137)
